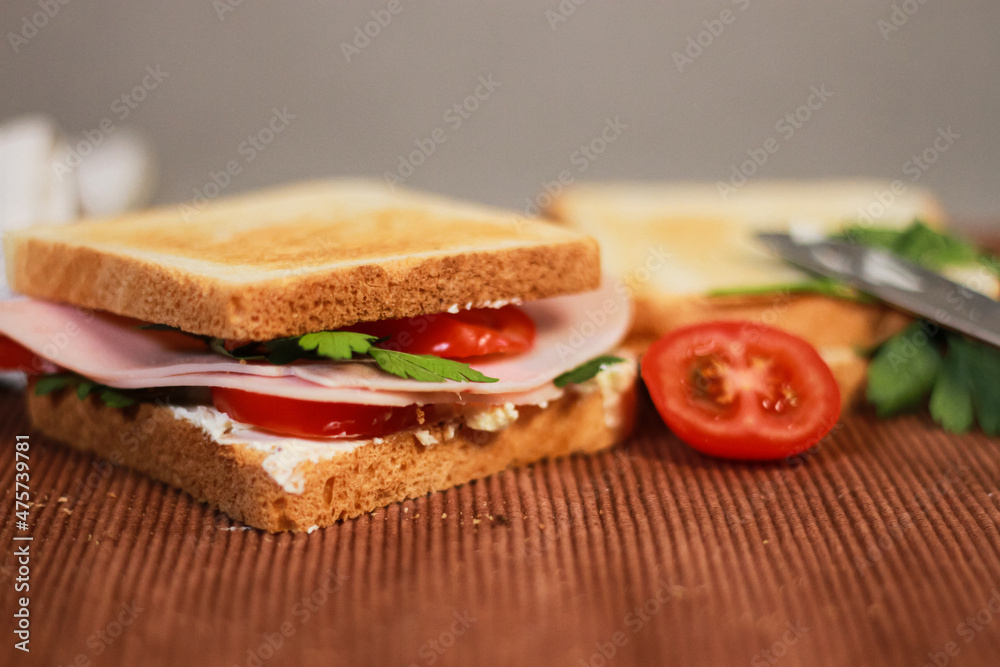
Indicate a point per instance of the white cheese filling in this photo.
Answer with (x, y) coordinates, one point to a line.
(286, 454)
(491, 418)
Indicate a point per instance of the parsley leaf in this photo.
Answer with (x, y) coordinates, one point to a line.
(951, 398)
(337, 344)
(903, 371)
(344, 345)
(84, 388)
(982, 364)
(818, 285)
(919, 243)
(425, 367)
(110, 396)
(587, 370)
(114, 398)
(48, 384)
(957, 372)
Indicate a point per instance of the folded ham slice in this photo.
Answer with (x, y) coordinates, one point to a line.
(570, 331)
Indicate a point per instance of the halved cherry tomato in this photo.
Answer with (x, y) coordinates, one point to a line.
(467, 333)
(16, 357)
(314, 419)
(741, 390)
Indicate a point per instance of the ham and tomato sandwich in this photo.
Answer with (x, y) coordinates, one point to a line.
(311, 353)
(687, 253)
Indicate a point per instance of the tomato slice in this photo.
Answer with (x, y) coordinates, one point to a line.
(467, 333)
(741, 390)
(315, 419)
(16, 357)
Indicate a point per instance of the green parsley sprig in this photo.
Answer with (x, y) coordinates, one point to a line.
(346, 346)
(110, 396)
(586, 371)
(919, 243)
(955, 376)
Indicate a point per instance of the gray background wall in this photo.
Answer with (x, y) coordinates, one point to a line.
(559, 82)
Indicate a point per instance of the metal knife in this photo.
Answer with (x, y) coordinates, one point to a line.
(896, 281)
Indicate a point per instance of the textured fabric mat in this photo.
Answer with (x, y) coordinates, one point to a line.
(882, 549)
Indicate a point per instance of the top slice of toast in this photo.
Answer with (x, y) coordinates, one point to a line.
(310, 257)
(687, 239)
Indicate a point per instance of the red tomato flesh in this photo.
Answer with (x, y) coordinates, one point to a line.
(467, 333)
(314, 419)
(16, 357)
(741, 390)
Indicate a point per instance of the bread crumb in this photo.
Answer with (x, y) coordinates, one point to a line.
(475, 521)
(63, 499)
(444, 515)
(406, 509)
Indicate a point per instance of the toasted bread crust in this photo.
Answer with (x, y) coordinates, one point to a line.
(300, 259)
(150, 439)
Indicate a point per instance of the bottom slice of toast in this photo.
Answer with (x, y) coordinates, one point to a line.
(278, 487)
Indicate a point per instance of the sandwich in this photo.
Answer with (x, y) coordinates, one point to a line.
(307, 354)
(687, 254)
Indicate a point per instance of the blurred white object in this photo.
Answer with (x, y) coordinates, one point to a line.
(118, 176)
(29, 192)
(46, 178)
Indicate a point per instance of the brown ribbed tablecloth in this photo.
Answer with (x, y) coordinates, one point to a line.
(882, 549)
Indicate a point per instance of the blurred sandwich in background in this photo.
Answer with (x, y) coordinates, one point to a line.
(687, 253)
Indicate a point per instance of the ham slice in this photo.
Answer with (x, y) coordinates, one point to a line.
(113, 351)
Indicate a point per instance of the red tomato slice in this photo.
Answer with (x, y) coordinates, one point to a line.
(468, 333)
(741, 390)
(314, 419)
(16, 357)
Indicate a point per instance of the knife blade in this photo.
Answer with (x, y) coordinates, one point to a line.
(896, 281)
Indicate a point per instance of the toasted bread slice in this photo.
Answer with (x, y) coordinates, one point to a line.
(676, 245)
(250, 484)
(304, 258)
